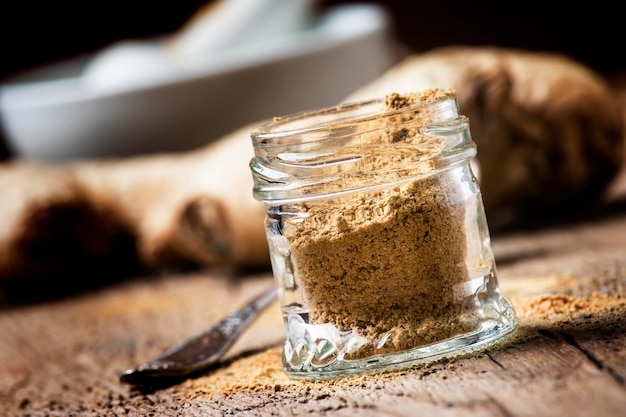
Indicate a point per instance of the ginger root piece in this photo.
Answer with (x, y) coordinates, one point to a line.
(196, 206)
(167, 210)
(550, 132)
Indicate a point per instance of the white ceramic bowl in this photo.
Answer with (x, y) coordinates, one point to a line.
(58, 113)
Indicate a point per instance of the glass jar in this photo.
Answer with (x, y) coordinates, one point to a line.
(378, 240)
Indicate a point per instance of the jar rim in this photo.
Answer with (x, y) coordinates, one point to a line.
(357, 145)
(345, 117)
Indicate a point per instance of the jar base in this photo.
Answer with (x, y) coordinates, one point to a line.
(460, 345)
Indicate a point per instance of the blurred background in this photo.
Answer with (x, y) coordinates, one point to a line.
(37, 33)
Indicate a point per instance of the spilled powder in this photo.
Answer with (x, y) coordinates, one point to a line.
(263, 372)
(560, 308)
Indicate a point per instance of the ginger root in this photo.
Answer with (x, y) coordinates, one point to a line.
(155, 211)
(549, 130)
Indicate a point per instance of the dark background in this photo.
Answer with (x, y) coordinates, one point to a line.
(38, 32)
(34, 33)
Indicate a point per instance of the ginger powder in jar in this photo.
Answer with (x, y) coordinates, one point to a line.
(378, 239)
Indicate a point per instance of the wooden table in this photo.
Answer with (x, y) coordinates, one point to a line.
(63, 357)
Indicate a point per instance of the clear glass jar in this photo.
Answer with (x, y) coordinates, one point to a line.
(379, 244)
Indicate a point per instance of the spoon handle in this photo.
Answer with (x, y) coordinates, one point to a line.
(202, 350)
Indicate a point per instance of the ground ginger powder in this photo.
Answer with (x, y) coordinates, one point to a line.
(386, 263)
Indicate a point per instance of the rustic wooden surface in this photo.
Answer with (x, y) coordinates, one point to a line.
(568, 358)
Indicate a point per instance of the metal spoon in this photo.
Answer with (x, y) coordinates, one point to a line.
(203, 350)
